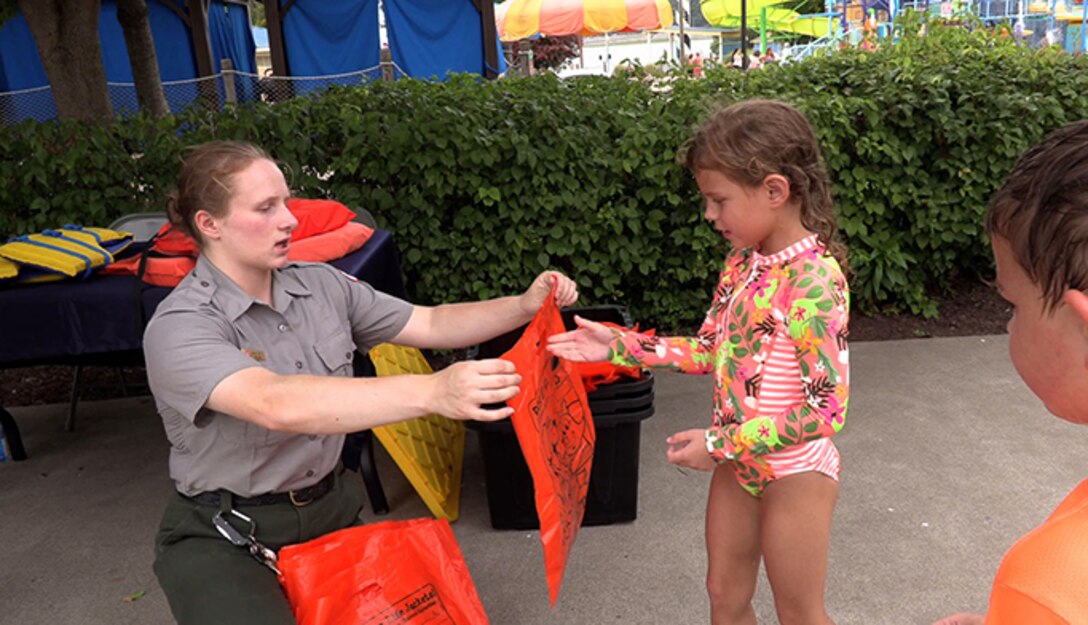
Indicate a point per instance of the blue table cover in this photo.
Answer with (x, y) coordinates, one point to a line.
(87, 322)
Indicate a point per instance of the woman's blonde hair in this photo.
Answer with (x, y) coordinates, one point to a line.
(206, 182)
(751, 140)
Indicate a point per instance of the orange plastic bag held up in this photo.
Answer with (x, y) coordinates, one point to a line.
(391, 573)
(556, 433)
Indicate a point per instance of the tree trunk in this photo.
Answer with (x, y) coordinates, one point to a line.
(133, 16)
(66, 33)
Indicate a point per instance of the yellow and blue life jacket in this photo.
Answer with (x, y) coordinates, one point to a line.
(67, 252)
(8, 269)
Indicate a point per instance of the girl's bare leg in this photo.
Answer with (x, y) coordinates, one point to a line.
(732, 547)
(795, 534)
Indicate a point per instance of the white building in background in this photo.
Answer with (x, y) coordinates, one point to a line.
(602, 53)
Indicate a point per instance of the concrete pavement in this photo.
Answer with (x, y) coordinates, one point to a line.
(947, 459)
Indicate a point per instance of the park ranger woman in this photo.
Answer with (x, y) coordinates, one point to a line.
(249, 361)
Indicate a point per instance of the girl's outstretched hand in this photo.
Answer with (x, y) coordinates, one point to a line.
(566, 292)
(688, 449)
(588, 343)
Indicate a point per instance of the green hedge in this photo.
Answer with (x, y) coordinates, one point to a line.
(484, 184)
(917, 137)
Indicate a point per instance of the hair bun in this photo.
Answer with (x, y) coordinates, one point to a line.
(172, 213)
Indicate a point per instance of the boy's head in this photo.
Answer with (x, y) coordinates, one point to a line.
(1038, 222)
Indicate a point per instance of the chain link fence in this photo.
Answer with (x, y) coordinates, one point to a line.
(215, 91)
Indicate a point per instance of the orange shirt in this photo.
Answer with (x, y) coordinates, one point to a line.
(1043, 579)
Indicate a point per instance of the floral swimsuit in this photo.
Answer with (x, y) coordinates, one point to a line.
(775, 339)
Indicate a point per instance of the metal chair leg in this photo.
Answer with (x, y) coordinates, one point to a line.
(124, 383)
(77, 377)
(369, 468)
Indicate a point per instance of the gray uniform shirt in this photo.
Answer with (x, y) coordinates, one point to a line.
(208, 328)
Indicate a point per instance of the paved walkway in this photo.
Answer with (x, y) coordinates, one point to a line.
(947, 459)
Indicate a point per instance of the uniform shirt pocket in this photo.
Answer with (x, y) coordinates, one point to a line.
(336, 353)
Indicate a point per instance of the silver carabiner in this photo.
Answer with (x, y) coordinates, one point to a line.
(265, 556)
(227, 530)
(258, 550)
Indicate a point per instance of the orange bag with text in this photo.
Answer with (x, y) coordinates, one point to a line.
(556, 433)
(391, 573)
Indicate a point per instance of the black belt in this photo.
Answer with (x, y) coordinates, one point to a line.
(297, 498)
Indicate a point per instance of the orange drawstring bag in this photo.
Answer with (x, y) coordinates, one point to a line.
(404, 572)
(556, 433)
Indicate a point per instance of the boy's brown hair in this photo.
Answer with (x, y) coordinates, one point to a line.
(1042, 211)
(751, 140)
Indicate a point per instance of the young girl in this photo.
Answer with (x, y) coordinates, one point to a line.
(775, 339)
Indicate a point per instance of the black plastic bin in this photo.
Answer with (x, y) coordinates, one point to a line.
(618, 410)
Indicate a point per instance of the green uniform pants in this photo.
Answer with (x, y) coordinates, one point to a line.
(208, 581)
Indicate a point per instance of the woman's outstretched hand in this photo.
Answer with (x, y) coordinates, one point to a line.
(588, 343)
(566, 292)
(461, 390)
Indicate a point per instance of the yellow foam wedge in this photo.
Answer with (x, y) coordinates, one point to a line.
(429, 450)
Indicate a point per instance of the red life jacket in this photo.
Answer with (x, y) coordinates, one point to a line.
(325, 232)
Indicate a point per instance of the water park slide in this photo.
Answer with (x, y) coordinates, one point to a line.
(726, 14)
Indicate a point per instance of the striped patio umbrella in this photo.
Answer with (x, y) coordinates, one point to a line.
(519, 19)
